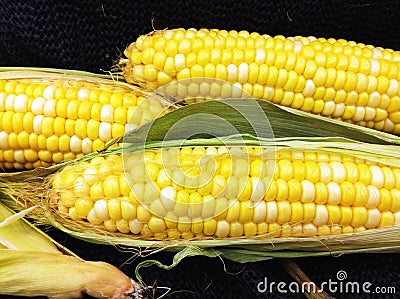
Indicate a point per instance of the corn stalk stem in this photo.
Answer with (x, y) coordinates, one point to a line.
(301, 278)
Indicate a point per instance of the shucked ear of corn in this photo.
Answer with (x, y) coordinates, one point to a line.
(47, 117)
(31, 265)
(317, 194)
(227, 192)
(340, 79)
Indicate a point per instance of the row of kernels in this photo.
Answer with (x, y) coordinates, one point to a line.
(29, 122)
(310, 80)
(221, 38)
(286, 170)
(372, 107)
(173, 55)
(283, 220)
(49, 126)
(348, 48)
(115, 109)
(105, 209)
(29, 159)
(345, 193)
(182, 202)
(65, 89)
(177, 41)
(384, 125)
(53, 143)
(305, 167)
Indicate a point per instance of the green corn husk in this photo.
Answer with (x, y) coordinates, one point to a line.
(32, 265)
(18, 234)
(35, 273)
(285, 128)
(250, 117)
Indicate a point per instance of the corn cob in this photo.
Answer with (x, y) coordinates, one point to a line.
(350, 81)
(205, 192)
(50, 118)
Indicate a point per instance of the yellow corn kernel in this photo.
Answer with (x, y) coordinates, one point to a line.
(83, 206)
(387, 219)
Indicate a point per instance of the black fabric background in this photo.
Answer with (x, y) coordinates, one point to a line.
(91, 36)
